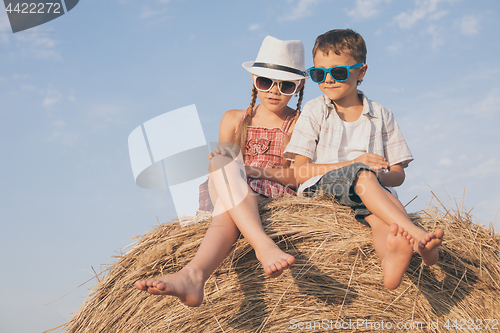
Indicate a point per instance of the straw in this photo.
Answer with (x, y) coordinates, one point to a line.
(336, 280)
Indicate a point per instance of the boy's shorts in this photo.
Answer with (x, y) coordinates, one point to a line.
(339, 183)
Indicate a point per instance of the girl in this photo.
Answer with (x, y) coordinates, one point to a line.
(261, 132)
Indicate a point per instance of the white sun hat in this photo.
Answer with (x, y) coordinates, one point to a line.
(279, 60)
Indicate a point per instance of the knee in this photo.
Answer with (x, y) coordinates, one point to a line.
(366, 174)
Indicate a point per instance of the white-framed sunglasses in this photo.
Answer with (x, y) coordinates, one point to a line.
(265, 84)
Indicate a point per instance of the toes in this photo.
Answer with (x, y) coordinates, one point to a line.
(284, 263)
(141, 285)
(271, 269)
(439, 233)
(153, 291)
(160, 285)
(401, 231)
(279, 266)
(393, 229)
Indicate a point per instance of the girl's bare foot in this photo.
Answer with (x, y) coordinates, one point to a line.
(397, 257)
(273, 259)
(427, 246)
(187, 285)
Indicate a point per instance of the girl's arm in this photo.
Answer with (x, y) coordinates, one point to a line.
(227, 130)
(305, 170)
(284, 176)
(228, 125)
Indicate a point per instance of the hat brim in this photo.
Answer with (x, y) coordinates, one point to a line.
(272, 73)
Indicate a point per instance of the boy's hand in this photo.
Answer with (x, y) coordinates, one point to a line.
(374, 161)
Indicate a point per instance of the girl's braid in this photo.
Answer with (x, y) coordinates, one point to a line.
(241, 134)
(299, 104)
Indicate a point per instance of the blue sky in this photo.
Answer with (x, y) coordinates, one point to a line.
(72, 90)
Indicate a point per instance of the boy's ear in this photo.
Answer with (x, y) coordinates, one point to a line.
(362, 72)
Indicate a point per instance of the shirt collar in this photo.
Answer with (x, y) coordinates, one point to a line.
(367, 105)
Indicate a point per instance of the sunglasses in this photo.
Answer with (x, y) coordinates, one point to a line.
(265, 84)
(338, 73)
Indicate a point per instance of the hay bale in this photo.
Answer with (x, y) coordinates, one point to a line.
(336, 280)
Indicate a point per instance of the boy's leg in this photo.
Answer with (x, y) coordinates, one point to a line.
(245, 214)
(394, 246)
(188, 283)
(388, 209)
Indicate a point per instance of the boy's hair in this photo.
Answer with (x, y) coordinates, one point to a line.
(241, 133)
(341, 41)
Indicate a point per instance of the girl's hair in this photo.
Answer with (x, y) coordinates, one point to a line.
(241, 133)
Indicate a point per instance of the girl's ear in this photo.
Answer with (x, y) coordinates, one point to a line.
(301, 84)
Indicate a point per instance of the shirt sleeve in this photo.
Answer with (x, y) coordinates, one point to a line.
(395, 148)
(305, 133)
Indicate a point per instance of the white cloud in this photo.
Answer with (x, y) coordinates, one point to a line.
(424, 9)
(61, 135)
(485, 169)
(366, 9)
(301, 8)
(488, 106)
(254, 27)
(38, 45)
(104, 114)
(436, 35)
(446, 162)
(488, 211)
(53, 97)
(469, 25)
(147, 12)
(395, 47)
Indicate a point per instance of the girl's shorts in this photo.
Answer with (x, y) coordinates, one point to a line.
(339, 184)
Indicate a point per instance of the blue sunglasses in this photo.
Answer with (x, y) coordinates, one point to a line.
(338, 73)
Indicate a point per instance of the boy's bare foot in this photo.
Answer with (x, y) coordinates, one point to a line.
(397, 256)
(428, 245)
(186, 284)
(274, 260)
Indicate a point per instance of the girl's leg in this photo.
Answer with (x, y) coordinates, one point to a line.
(388, 209)
(231, 188)
(188, 283)
(394, 246)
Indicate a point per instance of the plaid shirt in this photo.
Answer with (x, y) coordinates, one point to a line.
(264, 148)
(318, 134)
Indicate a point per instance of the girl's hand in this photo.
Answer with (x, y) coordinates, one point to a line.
(374, 161)
(224, 151)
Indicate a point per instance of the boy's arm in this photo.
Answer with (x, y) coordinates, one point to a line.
(305, 170)
(394, 177)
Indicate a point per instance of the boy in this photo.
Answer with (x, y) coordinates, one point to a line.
(350, 147)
